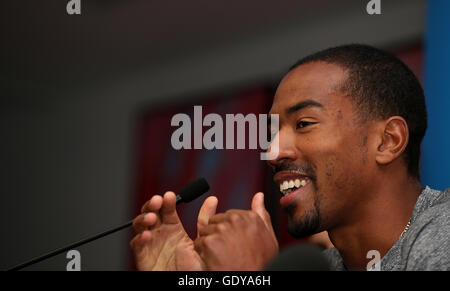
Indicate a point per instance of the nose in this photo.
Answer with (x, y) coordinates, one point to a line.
(286, 148)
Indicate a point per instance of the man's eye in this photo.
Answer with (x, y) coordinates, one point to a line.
(302, 124)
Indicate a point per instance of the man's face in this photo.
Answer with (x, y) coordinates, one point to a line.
(322, 166)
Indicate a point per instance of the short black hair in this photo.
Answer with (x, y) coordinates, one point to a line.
(381, 86)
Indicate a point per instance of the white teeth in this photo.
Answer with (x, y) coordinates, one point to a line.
(288, 186)
(291, 184)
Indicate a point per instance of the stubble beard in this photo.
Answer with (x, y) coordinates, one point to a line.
(306, 225)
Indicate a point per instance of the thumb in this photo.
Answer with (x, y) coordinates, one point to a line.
(207, 210)
(260, 209)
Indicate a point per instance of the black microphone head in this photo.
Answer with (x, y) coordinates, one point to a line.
(303, 257)
(193, 190)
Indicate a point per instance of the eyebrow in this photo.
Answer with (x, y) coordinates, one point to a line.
(303, 104)
(299, 106)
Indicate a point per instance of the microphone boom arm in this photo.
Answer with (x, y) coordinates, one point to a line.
(187, 194)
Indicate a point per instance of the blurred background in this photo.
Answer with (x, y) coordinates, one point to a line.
(86, 102)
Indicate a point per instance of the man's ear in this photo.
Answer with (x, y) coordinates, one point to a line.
(394, 136)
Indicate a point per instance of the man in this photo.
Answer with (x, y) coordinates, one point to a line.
(352, 119)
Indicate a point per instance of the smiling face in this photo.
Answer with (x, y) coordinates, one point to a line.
(322, 168)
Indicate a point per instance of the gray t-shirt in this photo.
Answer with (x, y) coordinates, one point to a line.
(425, 245)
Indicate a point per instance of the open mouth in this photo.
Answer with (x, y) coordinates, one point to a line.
(287, 186)
(292, 185)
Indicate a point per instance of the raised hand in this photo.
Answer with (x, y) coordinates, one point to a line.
(238, 239)
(161, 242)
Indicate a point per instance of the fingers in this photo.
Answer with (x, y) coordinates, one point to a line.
(168, 210)
(144, 222)
(164, 207)
(150, 215)
(218, 218)
(138, 243)
(260, 209)
(148, 219)
(214, 229)
(231, 216)
(153, 205)
(207, 210)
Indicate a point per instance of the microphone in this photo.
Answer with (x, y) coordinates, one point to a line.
(192, 191)
(185, 195)
(303, 257)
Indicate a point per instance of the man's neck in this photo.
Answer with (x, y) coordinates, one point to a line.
(378, 223)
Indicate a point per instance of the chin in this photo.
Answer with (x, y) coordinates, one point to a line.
(304, 226)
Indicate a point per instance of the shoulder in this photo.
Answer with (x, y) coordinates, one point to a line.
(438, 214)
(428, 240)
(435, 214)
(334, 259)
